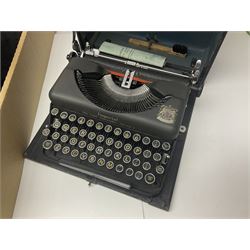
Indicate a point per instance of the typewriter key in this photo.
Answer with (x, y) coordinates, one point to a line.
(147, 153)
(146, 140)
(54, 111)
(108, 152)
(157, 156)
(64, 138)
(100, 138)
(146, 165)
(47, 144)
(46, 132)
(101, 162)
(118, 144)
(110, 165)
(73, 141)
(83, 132)
(99, 150)
(136, 162)
(136, 137)
(127, 147)
(57, 147)
(166, 146)
(126, 159)
(73, 130)
(65, 127)
(64, 115)
(156, 144)
(92, 158)
(117, 131)
(108, 128)
(74, 153)
(137, 150)
(81, 120)
(56, 124)
(159, 169)
(72, 117)
(55, 135)
(91, 146)
(90, 123)
(117, 156)
(109, 141)
(126, 134)
(149, 178)
(92, 135)
(99, 125)
(65, 150)
(138, 175)
(82, 144)
(129, 171)
(119, 168)
(83, 156)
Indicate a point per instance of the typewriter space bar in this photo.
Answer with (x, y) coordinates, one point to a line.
(98, 176)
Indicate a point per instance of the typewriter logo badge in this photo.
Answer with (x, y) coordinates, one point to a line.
(167, 114)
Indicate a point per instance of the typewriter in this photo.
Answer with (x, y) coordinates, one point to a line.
(120, 110)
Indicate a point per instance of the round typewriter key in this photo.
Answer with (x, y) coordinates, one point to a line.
(47, 144)
(166, 146)
(82, 144)
(99, 126)
(72, 117)
(55, 135)
(92, 135)
(117, 131)
(99, 150)
(118, 144)
(159, 169)
(73, 141)
(136, 137)
(109, 141)
(129, 171)
(108, 128)
(126, 134)
(65, 127)
(157, 156)
(81, 120)
(136, 162)
(100, 138)
(146, 165)
(73, 130)
(138, 175)
(126, 159)
(108, 152)
(117, 156)
(92, 158)
(83, 132)
(54, 111)
(90, 123)
(119, 168)
(46, 132)
(64, 115)
(147, 153)
(64, 138)
(65, 150)
(110, 165)
(57, 147)
(156, 144)
(83, 156)
(74, 153)
(146, 140)
(127, 147)
(137, 150)
(91, 146)
(56, 124)
(149, 178)
(101, 162)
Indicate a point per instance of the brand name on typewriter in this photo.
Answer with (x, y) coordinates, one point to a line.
(106, 117)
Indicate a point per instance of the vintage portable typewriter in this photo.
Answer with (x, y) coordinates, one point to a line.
(120, 110)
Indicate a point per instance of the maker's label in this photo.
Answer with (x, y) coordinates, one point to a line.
(167, 114)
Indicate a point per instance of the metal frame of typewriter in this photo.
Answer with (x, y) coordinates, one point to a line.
(193, 74)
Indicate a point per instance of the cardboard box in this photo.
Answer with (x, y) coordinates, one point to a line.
(19, 98)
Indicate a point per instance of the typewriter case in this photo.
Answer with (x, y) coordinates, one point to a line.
(144, 114)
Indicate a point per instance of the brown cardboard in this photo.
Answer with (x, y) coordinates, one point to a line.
(18, 103)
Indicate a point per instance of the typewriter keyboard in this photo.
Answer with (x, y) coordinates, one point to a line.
(109, 150)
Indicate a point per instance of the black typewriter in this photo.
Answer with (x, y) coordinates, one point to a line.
(120, 109)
